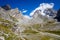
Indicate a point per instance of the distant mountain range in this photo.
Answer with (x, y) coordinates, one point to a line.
(44, 23)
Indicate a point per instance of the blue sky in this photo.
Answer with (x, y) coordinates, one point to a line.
(28, 5)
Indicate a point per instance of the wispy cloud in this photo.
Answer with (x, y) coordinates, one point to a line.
(24, 11)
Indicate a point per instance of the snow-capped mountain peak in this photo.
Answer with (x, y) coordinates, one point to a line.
(42, 8)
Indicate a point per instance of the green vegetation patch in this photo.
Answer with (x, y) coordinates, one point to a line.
(29, 31)
(54, 32)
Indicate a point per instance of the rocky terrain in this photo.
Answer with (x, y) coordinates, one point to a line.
(42, 25)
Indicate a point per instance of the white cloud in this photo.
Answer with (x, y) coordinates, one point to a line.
(26, 16)
(42, 7)
(24, 11)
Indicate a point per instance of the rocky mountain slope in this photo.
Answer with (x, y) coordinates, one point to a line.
(41, 26)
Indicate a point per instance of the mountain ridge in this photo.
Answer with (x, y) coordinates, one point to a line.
(16, 26)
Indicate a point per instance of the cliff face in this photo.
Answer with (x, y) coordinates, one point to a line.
(8, 19)
(58, 15)
(15, 26)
